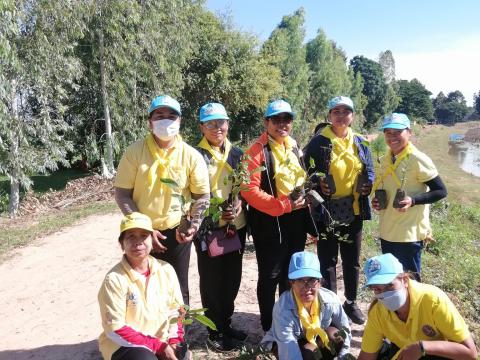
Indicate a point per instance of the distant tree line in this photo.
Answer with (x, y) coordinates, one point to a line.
(76, 78)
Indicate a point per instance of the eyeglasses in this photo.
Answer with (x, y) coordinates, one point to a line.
(215, 124)
(339, 112)
(307, 283)
(281, 119)
(378, 289)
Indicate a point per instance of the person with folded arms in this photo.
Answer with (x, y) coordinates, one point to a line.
(409, 320)
(308, 318)
(220, 276)
(139, 300)
(405, 227)
(141, 185)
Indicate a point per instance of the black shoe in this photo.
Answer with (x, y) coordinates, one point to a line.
(220, 342)
(236, 334)
(354, 313)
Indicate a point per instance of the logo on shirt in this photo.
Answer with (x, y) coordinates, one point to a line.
(429, 331)
(132, 299)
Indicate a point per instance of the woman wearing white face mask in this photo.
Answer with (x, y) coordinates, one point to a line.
(418, 320)
(162, 154)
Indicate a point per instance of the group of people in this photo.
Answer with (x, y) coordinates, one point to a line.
(161, 179)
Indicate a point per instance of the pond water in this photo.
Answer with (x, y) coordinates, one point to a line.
(468, 157)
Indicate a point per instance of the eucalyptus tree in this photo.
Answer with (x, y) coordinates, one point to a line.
(285, 50)
(37, 65)
(132, 51)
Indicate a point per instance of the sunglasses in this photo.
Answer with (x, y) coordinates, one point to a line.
(307, 283)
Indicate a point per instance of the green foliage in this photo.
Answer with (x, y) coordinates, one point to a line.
(415, 99)
(186, 316)
(381, 100)
(284, 50)
(378, 147)
(476, 99)
(450, 109)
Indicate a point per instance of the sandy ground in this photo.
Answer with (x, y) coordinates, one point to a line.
(48, 292)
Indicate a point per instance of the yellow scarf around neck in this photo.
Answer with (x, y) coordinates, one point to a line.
(311, 321)
(220, 159)
(392, 167)
(162, 159)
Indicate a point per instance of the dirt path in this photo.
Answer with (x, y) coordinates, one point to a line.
(48, 307)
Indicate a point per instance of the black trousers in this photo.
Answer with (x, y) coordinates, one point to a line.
(327, 250)
(389, 350)
(273, 256)
(220, 279)
(177, 255)
(141, 353)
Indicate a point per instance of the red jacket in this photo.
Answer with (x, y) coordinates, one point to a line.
(255, 196)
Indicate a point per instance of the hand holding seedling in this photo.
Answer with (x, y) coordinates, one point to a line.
(298, 203)
(187, 236)
(376, 204)
(324, 186)
(168, 354)
(406, 203)
(366, 189)
(230, 213)
(157, 245)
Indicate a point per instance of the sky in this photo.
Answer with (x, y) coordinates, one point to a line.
(436, 42)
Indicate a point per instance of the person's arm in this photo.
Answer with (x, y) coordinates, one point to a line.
(367, 356)
(340, 320)
(437, 191)
(136, 338)
(283, 324)
(258, 198)
(124, 200)
(465, 350)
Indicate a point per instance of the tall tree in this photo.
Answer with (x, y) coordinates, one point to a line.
(416, 100)
(37, 65)
(285, 50)
(450, 109)
(329, 75)
(227, 68)
(476, 99)
(387, 62)
(374, 88)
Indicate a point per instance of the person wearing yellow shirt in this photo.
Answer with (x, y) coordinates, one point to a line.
(418, 320)
(142, 185)
(405, 227)
(139, 298)
(220, 276)
(343, 157)
(278, 222)
(307, 318)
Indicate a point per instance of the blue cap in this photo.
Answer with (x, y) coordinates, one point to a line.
(382, 269)
(166, 101)
(397, 121)
(304, 264)
(277, 107)
(341, 100)
(213, 111)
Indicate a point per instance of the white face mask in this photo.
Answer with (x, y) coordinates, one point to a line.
(165, 129)
(393, 300)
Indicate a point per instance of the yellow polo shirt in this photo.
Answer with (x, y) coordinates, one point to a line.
(161, 203)
(432, 316)
(414, 224)
(126, 298)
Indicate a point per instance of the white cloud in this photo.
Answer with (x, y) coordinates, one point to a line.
(454, 67)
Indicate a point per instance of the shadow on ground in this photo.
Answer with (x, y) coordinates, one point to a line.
(83, 351)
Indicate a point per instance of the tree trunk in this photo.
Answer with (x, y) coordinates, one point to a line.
(108, 171)
(14, 199)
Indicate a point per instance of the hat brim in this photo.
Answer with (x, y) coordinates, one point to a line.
(163, 105)
(395, 126)
(281, 112)
(342, 104)
(297, 274)
(214, 117)
(381, 279)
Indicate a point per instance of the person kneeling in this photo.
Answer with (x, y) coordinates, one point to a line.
(139, 299)
(418, 320)
(308, 318)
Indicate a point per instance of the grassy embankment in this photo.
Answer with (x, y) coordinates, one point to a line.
(452, 262)
(19, 232)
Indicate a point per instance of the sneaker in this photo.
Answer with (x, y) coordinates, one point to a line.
(220, 343)
(236, 334)
(354, 313)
